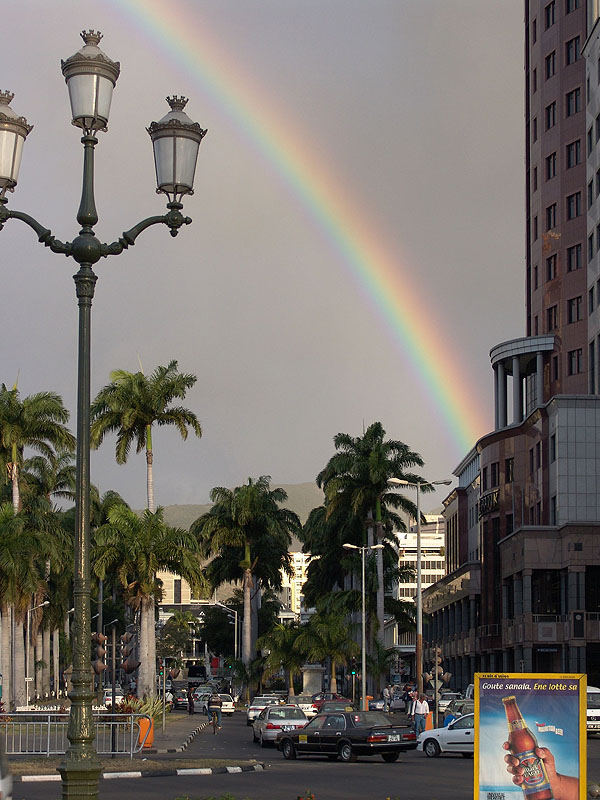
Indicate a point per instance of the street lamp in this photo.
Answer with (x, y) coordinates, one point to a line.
(418, 485)
(235, 625)
(363, 676)
(91, 76)
(28, 678)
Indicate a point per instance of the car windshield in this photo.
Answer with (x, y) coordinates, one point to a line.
(305, 699)
(593, 699)
(369, 719)
(286, 713)
(450, 696)
(227, 697)
(336, 707)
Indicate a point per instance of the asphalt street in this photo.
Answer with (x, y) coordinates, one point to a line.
(412, 777)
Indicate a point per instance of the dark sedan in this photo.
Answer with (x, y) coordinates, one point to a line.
(347, 735)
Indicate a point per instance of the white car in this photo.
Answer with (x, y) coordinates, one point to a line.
(446, 698)
(457, 737)
(257, 705)
(274, 719)
(305, 703)
(201, 702)
(228, 706)
(107, 697)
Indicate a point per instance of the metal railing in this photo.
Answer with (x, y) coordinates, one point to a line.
(27, 733)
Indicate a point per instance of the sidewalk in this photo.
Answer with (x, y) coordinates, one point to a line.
(180, 729)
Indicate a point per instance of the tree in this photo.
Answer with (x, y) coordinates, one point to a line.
(175, 636)
(327, 636)
(135, 548)
(132, 403)
(357, 476)
(244, 528)
(38, 422)
(217, 631)
(283, 652)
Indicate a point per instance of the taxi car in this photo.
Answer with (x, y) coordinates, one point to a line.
(257, 705)
(347, 735)
(305, 702)
(272, 720)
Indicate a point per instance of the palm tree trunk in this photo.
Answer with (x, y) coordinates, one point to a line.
(149, 471)
(380, 583)
(147, 673)
(46, 659)
(56, 661)
(5, 656)
(19, 663)
(39, 646)
(255, 604)
(247, 623)
(333, 681)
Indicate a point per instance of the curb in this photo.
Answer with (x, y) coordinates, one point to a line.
(181, 748)
(159, 773)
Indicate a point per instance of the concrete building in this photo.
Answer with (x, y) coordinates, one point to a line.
(523, 554)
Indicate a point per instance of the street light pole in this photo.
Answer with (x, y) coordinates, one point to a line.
(418, 485)
(91, 76)
(28, 678)
(363, 670)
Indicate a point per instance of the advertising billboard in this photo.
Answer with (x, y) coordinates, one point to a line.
(530, 737)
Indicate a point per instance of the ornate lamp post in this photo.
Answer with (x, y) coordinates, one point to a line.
(91, 76)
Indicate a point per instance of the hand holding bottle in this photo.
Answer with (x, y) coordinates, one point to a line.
(564, 787)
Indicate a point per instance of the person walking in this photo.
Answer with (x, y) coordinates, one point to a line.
(190, 700)
(420, 710)
(214, 705)
(386, 698)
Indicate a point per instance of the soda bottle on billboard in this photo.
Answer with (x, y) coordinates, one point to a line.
(522, 744)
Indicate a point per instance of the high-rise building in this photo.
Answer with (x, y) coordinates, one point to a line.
(523, 591)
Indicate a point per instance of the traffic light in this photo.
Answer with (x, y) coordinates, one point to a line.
(98, 663)
(353, 666)
(128, 662)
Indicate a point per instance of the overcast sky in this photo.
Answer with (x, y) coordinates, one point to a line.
(415, 109)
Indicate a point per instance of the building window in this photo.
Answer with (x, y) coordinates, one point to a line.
(551, 216)
(177, 591)
(574, 309)
(592, 363)
(553, 448)
(597, 182)
(590, 194)
(590, 140)
(552, 318)
(574, 361)
(573, 102)
(494, 474)
(531, 460)
(551, 267)
(573, 206)
(590, 246)
(591, 304)
(538, 455)
(535, 277)
(550, 166)
(550, 116)
(534, 81)
(598, 236)
(509, 524)
(535, 228)
(572, 50)
(554, 368)
(553, 510)
(571, 5)
(574, 153)
(484, 481)
(550, 14)
(598, 127)
(550, 64)
(509, 470)
(574, 257)
(535, 325)
(535, 179)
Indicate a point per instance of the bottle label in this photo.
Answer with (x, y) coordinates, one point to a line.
(535, 778)
(516, 725)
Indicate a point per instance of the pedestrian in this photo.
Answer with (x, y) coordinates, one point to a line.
(190, 700)
(214, 705)
(386, 698)
(419, 712)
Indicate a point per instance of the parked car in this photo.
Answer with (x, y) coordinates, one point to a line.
(460, 707)
(201, 702)
(376, 704)
(457, 737)
(107, 697)
(347, 735)
(257, 705)
(180, 699)
(272, 720)
(329, 706)
(305, 702)
(446, 698)
(322, 697)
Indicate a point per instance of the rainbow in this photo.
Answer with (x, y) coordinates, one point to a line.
(389, 286)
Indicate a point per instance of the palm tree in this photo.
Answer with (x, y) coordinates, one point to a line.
(38, 422)
(357, 476)
(378, 662)
(283, 653)
(135, 548)
(327, 636)
(244, 528)
(132, 403)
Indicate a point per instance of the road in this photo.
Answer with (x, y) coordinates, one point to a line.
(412, 777)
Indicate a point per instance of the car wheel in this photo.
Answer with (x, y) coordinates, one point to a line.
(390, 757)
(288, 749)
(467, 755)
(262, 741)
(345, 752)
(431, 748)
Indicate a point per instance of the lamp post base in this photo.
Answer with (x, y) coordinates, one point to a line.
(80, 777)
